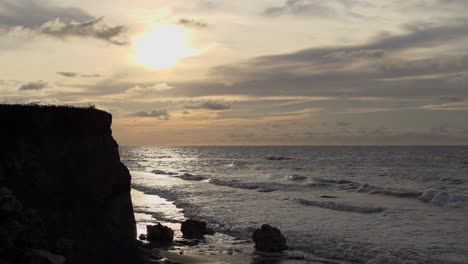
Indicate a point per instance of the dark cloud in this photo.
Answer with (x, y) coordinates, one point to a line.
(387, 138)
(343, 123)
(379, 68)
(440, 129)
(41, 17)
(451, 99)
(192, 22)
(162, 114)
(68, 74)
(210, 105)
(356, 54)
(74, 75)
(39, 85)
(95, 28)
(300, 7)
(30, 13)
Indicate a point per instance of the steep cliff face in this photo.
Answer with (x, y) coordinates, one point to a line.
(64, 163)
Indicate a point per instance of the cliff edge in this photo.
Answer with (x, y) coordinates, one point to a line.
(62, 163)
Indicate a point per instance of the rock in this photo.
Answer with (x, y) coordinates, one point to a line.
(48, 257)
(63, 162)
(9, 205)
(159, 233)
(209, 231)
(269, 239)
(328, 196)
(142, 237)
(277, 158)
(5, 191)
(193, 229)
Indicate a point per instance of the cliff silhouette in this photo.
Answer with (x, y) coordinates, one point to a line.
(60, 166)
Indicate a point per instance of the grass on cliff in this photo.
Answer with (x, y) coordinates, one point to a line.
(46, 106)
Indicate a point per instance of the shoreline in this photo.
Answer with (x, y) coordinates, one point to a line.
(217, 248)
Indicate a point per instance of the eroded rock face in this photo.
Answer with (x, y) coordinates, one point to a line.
(21, 231)
(159, 233)
(269, 239)
(64, 163)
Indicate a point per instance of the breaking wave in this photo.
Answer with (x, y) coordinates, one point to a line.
(439, 198)
(444, 199)
(341, 206)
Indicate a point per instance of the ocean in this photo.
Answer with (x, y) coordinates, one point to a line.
(351, 204)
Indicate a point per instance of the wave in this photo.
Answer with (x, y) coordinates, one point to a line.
(444, 199)
(191, 177)
(238, 164)
(454, 181)
(295, 177)
(439, 198)
(363, 188)
(388, 191)
(341, 206)
(258, 186)
(319, 244)
(161, 172)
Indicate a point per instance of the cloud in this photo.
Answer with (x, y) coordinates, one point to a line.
(356, 54)
(30, 13)
(451, 99)
(9, 82)
(90, 75)
(210, 105)
(95, 28)
(343, 123)
(192, 22)
(74, 75)
(68, 74)
(39, 85)
(380, 68)
(299, 7)
(148, 89)
(162, 114)
(30, 18)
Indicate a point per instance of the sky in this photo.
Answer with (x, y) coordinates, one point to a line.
(262, 72)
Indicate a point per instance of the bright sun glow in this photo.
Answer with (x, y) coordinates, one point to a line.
(163, 46)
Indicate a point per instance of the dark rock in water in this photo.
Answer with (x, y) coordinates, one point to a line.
(277, 158)
(159, 233)
(209, 231)
(191, 177)
(142, 237)
(328, 196)
(269, 239)
(193, 229)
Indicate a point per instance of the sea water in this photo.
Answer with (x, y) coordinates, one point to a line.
(362, 204)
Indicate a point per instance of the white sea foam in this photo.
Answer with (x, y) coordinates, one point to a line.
(444, 199)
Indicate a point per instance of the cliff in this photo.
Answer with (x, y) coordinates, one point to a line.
(63, 163)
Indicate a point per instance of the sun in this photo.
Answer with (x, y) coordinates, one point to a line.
(162, 46)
